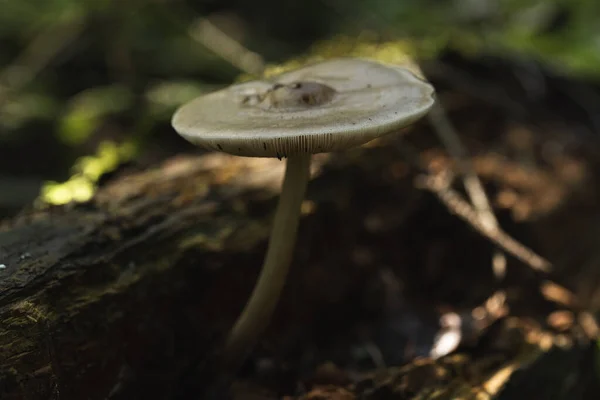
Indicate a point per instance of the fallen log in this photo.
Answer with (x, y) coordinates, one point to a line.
(118, 297)
(121, 297)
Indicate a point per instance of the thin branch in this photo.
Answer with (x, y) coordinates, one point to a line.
(440, 186)
(451, 140)
(214, 39)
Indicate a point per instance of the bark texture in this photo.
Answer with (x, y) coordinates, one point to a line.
(122, 297)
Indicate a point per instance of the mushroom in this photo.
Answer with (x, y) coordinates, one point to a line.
(328, 106)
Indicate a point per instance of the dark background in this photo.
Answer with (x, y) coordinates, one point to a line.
(87, 90)
(101, 78)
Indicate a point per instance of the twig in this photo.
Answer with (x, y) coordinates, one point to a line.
(440, 186)
(224, 46)
(451, 140)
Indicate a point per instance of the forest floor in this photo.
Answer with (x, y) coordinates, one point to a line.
(129, 295)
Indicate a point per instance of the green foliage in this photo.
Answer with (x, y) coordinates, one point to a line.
(25, 107)
(87, 170)
(86, 110)
(564, 33)
(107, 69)
(163, 98)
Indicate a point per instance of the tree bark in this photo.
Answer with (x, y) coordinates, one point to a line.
(115, 298)
(122, 297)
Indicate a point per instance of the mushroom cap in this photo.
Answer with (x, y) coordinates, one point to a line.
(328, 106)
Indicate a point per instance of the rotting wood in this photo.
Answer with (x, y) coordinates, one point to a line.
(94, 298)
(117, 298)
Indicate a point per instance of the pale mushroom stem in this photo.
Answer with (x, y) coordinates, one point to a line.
(265, 296)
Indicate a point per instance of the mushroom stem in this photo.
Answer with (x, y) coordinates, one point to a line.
(257, 313)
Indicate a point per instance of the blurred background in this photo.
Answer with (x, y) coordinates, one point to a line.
(86, 86)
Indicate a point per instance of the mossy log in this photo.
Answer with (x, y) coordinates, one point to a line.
(120, 294)
(120, 297)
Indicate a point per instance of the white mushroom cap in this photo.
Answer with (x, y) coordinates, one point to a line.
(329, 106)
